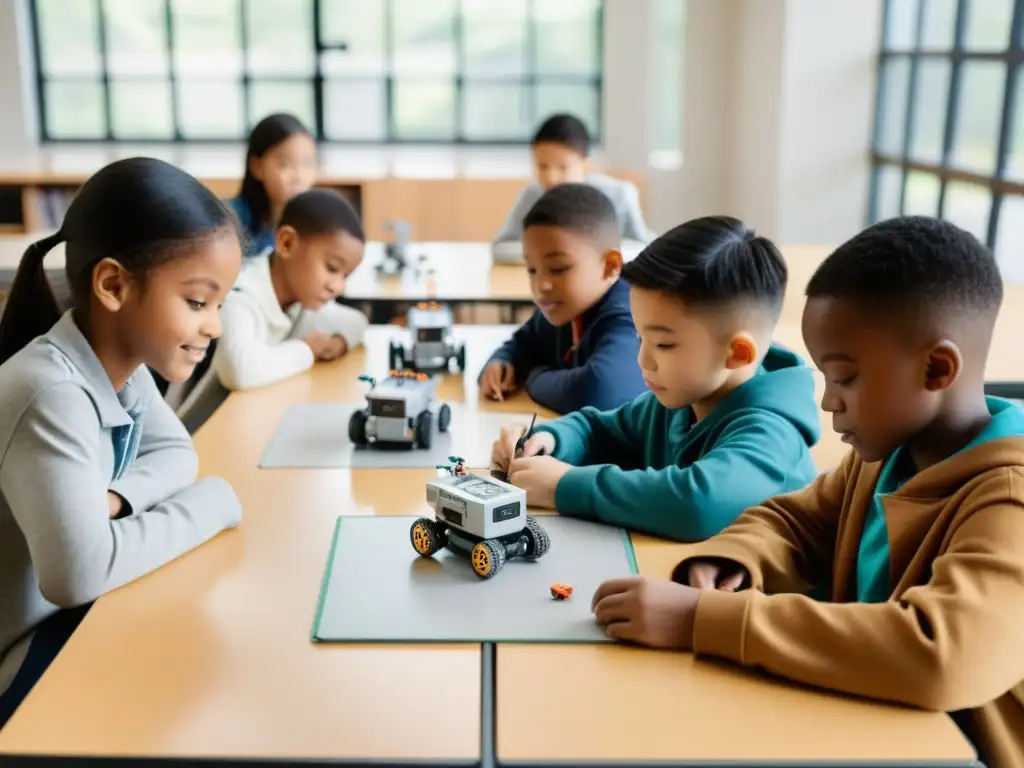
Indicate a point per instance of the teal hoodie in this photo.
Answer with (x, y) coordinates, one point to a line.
(648, 468)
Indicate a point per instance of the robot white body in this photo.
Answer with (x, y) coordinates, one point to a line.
(433, 346)
(398, 411)
(480, 517)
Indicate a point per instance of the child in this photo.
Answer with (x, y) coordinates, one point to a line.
(97, 476)
(729, 418)
(280, 163)
(282, 315)
(579, 347)
(919, 533)
(561, 149)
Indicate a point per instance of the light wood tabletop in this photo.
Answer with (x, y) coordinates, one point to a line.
(211, 656)
(618, 704)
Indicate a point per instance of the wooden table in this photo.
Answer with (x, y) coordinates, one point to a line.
(210, 656)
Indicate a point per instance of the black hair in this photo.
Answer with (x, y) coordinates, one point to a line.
(713, 260)
(564, 129)
(265, 135)
(139, 211)
(913, 262)
(320, 211)
(578, 208)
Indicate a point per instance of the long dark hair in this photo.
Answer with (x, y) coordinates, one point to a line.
(139, 211)
(267, 134)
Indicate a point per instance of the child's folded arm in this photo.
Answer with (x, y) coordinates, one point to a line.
(244, 361)
(521, 350)
(633, 226)
(688, 503)
(166, 460)
(334, 319)
(785, 543)
(591, 436)
(952, 643)
(52, 481)
(512, 227)
(609, 376)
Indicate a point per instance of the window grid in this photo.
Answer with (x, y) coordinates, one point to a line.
(528, 80)
(960, 56)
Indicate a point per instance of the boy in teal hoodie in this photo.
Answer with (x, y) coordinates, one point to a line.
(729, 419)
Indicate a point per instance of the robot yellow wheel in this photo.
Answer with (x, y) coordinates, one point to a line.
(425, 537)
(487, 558)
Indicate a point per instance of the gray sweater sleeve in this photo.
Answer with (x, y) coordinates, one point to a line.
(166, 461)
(631, 216)
(512, 229)
(52, 481)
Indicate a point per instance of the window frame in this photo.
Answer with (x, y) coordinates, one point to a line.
(945, 171)
(527, 80)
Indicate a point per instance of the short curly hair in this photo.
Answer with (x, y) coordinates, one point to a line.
(913, 262)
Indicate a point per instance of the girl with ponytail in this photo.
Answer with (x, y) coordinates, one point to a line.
(97, 475)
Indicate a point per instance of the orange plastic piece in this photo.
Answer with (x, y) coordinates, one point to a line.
(561, 591)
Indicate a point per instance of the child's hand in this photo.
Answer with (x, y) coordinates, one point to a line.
(498, 378)
(337, 346)
(656, 613)
(503, 450)
(320, 343)
(115, 503)
(538, 476)
(722, 575)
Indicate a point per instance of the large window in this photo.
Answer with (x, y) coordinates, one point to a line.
(949, 129)
(353, 70)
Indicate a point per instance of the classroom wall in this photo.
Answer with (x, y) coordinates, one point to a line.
(779, 103)
(778, 100)
(17, 94)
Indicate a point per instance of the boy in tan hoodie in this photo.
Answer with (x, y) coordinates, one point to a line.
(917, 536)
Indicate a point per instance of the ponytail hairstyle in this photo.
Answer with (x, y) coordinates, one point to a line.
(139, 211)
(713, 261)
(267, 134)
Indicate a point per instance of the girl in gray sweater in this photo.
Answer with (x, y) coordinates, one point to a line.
(97, 475)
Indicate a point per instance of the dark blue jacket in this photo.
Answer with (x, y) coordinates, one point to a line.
(602, 372)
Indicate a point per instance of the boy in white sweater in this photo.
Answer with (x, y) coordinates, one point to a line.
(281, 316)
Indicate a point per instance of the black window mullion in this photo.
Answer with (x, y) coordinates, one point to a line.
(532, 77)
(953, 99)
(318, 72)
(243, 37)
(101, 26)
(389, 73)
(37, 54)
(459, 102)
(909, 117)
(883, 58)
(1006, 123)
(172, 70)
(599, 128)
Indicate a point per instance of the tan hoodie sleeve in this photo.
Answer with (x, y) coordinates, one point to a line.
(951, 643)
(785, 544)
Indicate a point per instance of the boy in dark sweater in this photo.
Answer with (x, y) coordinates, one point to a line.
(580, 347)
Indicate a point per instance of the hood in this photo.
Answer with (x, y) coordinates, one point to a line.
(1000, 445)
(783, 385)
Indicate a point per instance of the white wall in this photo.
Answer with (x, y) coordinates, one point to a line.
(17, 95)
(778, 102)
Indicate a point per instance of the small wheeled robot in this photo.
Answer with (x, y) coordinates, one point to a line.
(398, 411)
(480, 518)
(433, 347)
(396, 252)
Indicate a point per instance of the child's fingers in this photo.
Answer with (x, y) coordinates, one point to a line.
(508, 377)
(533, 446)
(703, 575)
(732, 582)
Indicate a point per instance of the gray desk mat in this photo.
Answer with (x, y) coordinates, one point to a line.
(376, 588)
(315, 436)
